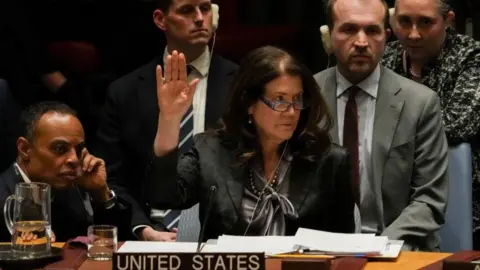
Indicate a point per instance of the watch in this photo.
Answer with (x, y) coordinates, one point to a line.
(113, 199)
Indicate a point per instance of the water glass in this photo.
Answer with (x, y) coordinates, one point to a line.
(102, 242)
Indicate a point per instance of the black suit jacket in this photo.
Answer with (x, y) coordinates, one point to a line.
(9, 129)
(320, 191)
(69, 214)
(126, 134)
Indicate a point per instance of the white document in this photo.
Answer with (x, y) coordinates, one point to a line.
(340, 243)
(157, 247)
(270, 245)
(392, 250)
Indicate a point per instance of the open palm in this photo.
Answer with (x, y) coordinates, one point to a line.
(174, 93)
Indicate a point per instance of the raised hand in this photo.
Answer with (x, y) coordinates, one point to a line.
(174, 94)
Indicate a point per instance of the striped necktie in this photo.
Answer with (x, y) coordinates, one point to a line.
(185, 142)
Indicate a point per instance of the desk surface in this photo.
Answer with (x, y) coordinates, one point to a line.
(406, 261)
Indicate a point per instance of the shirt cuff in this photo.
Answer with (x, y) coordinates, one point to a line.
(137, 231)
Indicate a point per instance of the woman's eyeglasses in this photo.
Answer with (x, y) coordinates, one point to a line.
(282, 105)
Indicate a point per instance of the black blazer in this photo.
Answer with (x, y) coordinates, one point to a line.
(129, 125)
(10, 112)
(69, 215)
(320, 191)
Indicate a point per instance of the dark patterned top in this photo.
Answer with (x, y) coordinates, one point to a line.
(455, 76)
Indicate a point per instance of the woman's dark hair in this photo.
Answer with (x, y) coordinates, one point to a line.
(310, 139)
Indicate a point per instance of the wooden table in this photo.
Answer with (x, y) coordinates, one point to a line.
(406, 261)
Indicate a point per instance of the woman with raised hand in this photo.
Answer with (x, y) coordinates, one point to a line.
(270, 169)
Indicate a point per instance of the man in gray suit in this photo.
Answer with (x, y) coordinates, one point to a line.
(391, 126)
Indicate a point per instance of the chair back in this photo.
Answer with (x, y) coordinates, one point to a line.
(456, 234)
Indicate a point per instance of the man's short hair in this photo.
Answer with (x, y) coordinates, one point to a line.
(330, 14)
(30, 116)
(163, 5)
(443, 7)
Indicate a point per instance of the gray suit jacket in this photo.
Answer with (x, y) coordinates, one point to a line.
(409, 158)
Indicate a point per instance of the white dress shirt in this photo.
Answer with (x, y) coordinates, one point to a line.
(365, 100)
(200, 68)
(22, 173)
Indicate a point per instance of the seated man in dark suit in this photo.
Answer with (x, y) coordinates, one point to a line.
(51, 149)
(127, 132)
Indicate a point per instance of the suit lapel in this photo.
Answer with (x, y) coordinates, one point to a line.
(234, 181)
(147, 97)
(217, 90)
(330, 90)
(12, 179)
(388, 109)
(147, 89)
(235, 188)
(299, 184)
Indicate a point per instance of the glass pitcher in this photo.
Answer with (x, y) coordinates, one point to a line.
(29, 222)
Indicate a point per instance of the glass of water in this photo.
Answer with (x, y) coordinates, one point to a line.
(102, 242)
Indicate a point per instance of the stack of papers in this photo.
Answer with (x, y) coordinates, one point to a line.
(391, 251)
(340, 243)
(271, 245)
(306, 241)
(157, 247)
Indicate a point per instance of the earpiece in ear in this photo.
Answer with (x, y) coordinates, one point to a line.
(216, 16)
(327, 43)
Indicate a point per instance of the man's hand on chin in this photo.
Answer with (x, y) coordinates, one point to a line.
(149, 234)
(94, 176)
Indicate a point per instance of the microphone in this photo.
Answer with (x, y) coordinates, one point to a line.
(213, 189)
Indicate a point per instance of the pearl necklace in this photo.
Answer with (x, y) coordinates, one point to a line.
(272, 184)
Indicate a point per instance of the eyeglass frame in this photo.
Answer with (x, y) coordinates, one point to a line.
(272, 105)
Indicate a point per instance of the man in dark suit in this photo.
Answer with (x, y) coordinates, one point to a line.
(127, 132)
(391, 126)
(51, 149)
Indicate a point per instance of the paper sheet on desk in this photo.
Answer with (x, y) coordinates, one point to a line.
(391, 251)
(269, 244)
(157, 247)
(340, 243)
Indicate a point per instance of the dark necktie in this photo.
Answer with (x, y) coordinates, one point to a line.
(185, 142)
(350, 138)
(186, 127)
